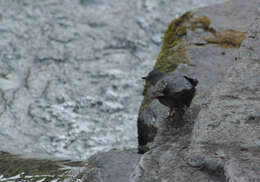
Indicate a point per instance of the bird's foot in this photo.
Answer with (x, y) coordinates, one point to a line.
(171, 115)
(185, 109)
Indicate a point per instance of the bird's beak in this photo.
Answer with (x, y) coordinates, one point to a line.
(144, 77)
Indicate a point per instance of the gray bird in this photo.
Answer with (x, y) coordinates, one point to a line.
(172, 90)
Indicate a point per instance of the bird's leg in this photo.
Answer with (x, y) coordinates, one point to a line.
(189, 113)
(185, 109)
(171, 114)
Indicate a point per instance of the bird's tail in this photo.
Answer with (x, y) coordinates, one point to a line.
(194, 82)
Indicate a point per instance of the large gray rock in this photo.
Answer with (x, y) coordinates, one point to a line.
(203, 45)
(220, 136)
(227, 128)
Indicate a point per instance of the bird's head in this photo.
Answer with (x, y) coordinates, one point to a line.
(154, 76)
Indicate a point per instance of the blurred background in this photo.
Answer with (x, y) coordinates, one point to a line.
(70, 71)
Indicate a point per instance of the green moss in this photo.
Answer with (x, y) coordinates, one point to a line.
(227, 38)
(175, 31)
(173, 48)
(180, 31)
(169, 59)
(202, 22)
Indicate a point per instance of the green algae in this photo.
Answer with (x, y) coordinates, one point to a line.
(202, 22)
(173, 51)
(228, 38)
(176, 29)
(169, 59)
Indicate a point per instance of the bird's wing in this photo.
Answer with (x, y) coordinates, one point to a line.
(160, 88)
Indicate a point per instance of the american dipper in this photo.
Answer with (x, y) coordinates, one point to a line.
(174, 91)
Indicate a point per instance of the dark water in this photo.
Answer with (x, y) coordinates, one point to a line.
(70, 72)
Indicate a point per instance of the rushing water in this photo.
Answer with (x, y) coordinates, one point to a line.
(70, 71)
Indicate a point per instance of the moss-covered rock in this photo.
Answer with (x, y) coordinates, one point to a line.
(227, 38)
(218, 140)
(176, 29)
(179, 39)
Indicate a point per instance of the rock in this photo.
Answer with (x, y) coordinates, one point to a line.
(201, 44)
(111, 166)
(227, 128)
(218, 45)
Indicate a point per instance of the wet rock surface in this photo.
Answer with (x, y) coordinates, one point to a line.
(218, 138)
(227, 129)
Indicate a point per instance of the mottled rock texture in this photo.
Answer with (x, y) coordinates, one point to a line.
(203, 45)
(218, 139)
(227, 128)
